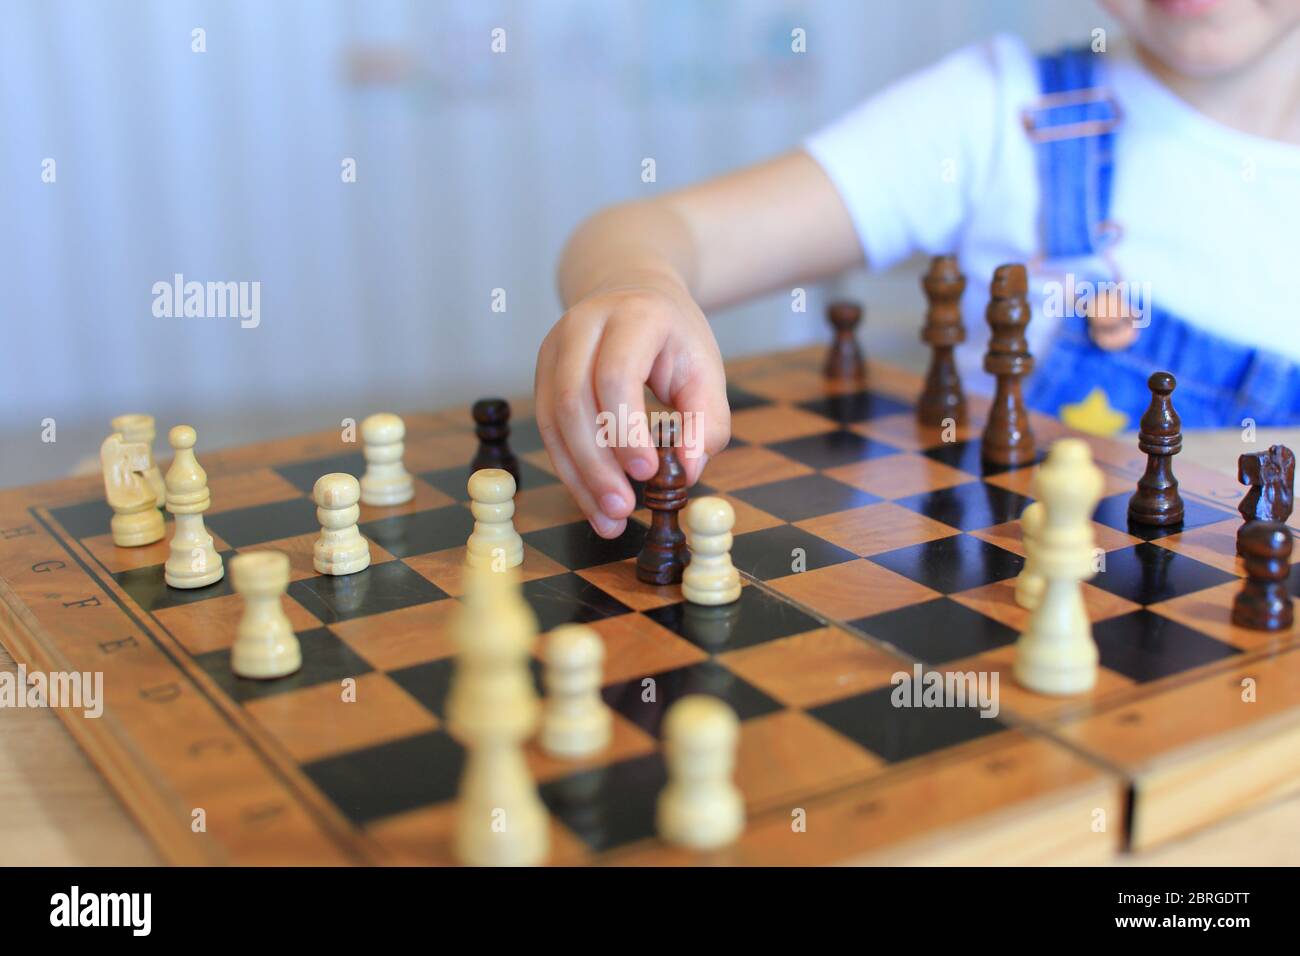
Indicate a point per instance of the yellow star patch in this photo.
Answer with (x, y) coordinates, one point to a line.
(1094, 416)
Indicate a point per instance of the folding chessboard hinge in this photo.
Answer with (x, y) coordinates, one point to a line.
(1175, 798)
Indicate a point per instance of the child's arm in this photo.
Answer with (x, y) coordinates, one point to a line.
(635, 279)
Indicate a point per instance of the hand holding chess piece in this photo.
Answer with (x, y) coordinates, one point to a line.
(192, 561)
(136, 518)
(265, 645)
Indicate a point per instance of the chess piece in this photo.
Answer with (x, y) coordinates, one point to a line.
(1008, 439)
(140, 428)
(575, 722)
(494, 541)
(1056, 654)
(1264, 601)
(136, 518)
(710, 578)
(386, 481)
(1271, 476)
(500, 819)
(663, 555)
(1030, 583)
(192, 561)
(700, 808)
(1160, 436)
(492, 426)
(265, 645)
(942, 396)
(844, 362)
(340, 549)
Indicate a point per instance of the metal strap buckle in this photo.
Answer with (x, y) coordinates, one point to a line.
(1093, 127)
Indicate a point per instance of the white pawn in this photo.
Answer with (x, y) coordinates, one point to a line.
(1057, 654)
(576, 722)
(386, 481)
(265, 645)
(340, 549)
(701, 807)
(192, 561)
(500, 819)
(1030, 583)
(710, 577)
(136, 518)
(494, 542)
(140, 428)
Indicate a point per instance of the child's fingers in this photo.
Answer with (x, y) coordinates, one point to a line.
(706, 417)
(627, 352)
(559, 453)
(575, 412)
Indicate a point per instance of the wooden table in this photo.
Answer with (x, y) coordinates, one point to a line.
(59, 811)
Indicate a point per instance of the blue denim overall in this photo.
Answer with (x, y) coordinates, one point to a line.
(1220, 382)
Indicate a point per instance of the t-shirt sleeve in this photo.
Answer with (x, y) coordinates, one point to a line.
(909, 162)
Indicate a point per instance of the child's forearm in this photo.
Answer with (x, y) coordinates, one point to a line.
(633, 243)
(740, 235)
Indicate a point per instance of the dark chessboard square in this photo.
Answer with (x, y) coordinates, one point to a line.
(303, 474)
(1113, 513)
(831, 449)
(609, 806)
(958, 562)
(422, 531)
(1145, 646)
(809, 496)
(325, 658)
(937, 631)
(149, 589)
(645, 704)
(740, 400)
(1147, 573)
(901, 733)
(389, 778)
(455, 481)
(430, 682)
(569, 599)
(772, 552)
(525, 436)
(967, 456)
(855, 407)
(970, 506)
(84, 520)
(243, 527)
(577, 546)
(379, 588)
(757, 617)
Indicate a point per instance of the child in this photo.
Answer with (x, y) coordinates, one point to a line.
(1167, 171)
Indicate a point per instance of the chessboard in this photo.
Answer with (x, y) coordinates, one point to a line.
(869, 545)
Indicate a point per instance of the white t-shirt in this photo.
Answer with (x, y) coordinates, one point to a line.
(940, 162)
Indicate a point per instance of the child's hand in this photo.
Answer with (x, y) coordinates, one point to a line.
(598, 358)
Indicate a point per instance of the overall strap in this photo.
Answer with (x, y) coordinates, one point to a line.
(1072, 126)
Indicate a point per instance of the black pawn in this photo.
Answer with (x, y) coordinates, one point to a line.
(844, 362)
(1160, 436)
(492, 425)
(663, 555)
(1264, 603)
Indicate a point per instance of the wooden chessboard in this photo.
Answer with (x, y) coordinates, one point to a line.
(909, 547)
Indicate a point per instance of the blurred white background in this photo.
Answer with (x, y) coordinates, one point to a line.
(472, 167)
